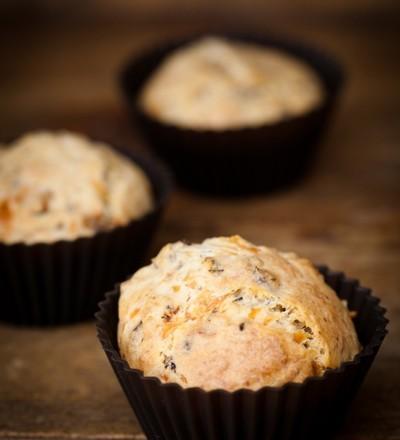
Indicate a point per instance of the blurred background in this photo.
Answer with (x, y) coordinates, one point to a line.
(61, 60)
(59, 66)
(61, 57)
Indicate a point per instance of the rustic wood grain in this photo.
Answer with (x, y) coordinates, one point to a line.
(57, 384)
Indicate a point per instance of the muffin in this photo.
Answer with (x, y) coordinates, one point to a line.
(225, 339)
(61, 186)
(228, 314)
(233, 115)
(76, 216)
(217, 84)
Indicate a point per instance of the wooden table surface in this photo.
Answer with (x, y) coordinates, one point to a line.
(56, 383)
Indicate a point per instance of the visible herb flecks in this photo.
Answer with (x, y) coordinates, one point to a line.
(168, 363)
(169, 313)
(241, 326)
(138, 325)
(238, 296)
(298, 324)
(308, 330)
(187, 345)
(302, 326)
(278, 308)
(214, 266)
(263, 276)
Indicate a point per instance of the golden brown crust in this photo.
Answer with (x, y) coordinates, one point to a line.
(56, 186)
(218, 84)
(228, 314)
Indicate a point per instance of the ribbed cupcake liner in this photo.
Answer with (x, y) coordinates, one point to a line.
(313, 409)
(236, 161)
(62, 282)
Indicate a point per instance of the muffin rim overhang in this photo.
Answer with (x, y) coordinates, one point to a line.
(368, 350)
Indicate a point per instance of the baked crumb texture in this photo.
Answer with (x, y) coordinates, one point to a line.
(228, 314)
(61, 186)
(219, 84)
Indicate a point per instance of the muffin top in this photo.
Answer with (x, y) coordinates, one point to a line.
(219, 84)
(228, 314)
(61, 186)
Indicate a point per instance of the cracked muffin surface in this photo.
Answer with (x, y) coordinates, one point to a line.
(229, 314)
(62, 186)
(217, 84)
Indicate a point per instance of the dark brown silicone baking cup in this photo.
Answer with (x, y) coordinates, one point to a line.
(312, 409)
(236, 161)
(62, 282)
